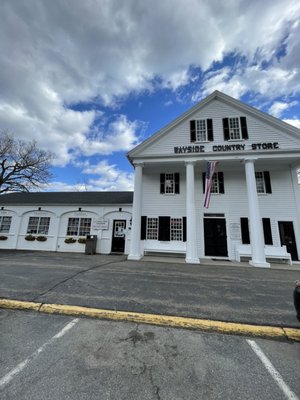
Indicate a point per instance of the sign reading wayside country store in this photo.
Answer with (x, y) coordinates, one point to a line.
(226, 147)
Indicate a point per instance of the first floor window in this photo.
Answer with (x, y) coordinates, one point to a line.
(163, 228)
(176, 228)
(79, 226)
(38, 225)
(5, 224)
(152, 228)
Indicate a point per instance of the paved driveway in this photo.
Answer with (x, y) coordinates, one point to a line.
(226, 293)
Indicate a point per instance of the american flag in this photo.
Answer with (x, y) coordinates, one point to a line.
(210, 169)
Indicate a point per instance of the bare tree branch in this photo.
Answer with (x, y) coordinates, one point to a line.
(23, 166)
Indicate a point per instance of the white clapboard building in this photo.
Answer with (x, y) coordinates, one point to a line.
(254, 208)
(59, 221)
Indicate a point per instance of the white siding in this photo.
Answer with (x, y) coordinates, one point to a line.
(258, 131)
(280, 205)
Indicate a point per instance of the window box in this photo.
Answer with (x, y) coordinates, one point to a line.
(41, 238)
(82, 240)
(2, 237)
(70, 240)
(30, 238)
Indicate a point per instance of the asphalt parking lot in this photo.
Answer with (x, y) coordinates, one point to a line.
(57, 357)
(218, 292)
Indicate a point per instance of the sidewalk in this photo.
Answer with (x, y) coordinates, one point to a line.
(214, 290)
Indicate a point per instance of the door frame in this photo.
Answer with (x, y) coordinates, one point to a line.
(295, 239)
(113, 235)
(219, 216)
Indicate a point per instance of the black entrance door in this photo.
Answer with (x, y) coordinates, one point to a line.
(215, 237)
(118, 236)
(287, 238)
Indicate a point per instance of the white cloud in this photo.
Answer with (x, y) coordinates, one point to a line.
(295, 122)
(278, 107)
(99, 177)
(121, 136)
(57, 53)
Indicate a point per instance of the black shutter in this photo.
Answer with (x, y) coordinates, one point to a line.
(210, 132)
(203, 181)
(164, 229)
(193, 130)
(176, 182)
(162, 183)
(226, 128)
(184, 229)
(267, 231)
(143, 227)
(221, 182)
(244, 128)
(267, 181)
(245, 231)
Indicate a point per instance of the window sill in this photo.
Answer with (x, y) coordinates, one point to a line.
(236, 140)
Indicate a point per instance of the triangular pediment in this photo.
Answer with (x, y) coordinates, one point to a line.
(264, 132)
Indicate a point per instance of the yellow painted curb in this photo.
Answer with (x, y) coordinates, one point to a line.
(19, 305)
(160, 320)
(292, 334)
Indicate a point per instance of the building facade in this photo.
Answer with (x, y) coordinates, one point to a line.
(62, 221)
(254, 207)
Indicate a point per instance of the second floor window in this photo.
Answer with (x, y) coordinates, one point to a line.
(217, 185)
(263, 182)
(38, 225)
(201, 130)
(235, 128)
(169, 183)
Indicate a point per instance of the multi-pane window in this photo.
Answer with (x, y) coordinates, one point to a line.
(234, 128)
(5, 224)
(176, 228)
(38, 225)
(215, 184)
(169, 183)
(152, 228)
(201, 134)
(79, 226)
(260, 182)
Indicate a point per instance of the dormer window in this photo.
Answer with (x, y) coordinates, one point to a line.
(201, 130)
(235, 128)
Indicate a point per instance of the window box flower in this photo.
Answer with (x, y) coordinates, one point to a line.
(41, 238)
(30, 238)
(70, 240)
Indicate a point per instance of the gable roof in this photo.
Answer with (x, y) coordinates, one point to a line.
(216, 95)
(67, 198)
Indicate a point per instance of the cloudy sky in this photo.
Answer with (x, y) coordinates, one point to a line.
(91, 79)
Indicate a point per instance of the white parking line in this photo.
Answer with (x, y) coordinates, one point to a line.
(290, 395)
(10, 375)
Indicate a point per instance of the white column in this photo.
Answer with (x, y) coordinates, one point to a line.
(256, 228)
(135, 245)
(191, 243)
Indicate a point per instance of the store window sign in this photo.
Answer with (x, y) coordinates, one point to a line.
(100, 224)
